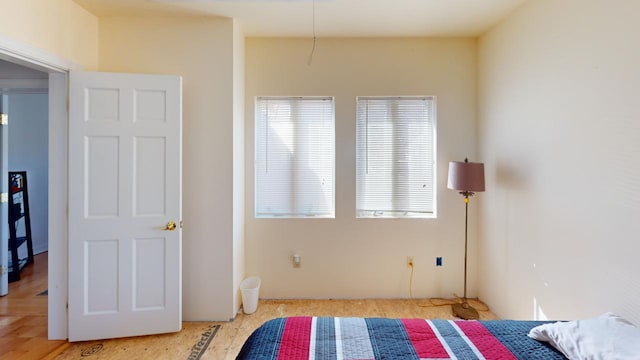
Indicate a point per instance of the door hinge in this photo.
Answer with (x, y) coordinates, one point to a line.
(180, 224)
(4, 119)
(3, 270)
(4, 197)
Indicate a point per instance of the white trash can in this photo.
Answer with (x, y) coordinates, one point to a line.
(250, 289)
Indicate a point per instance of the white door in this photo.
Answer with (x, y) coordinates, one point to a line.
(124, 192)
(4, 189)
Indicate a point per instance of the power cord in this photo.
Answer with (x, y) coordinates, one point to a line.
(483, 308)
(435, 302)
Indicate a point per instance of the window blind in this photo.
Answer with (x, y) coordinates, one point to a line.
(294, 157)
(395, 157)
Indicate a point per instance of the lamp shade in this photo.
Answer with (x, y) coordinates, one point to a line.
(466, 176)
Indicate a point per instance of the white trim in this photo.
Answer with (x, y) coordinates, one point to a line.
(4, 188)
(32, 57)
(58, 198)
(58, 69)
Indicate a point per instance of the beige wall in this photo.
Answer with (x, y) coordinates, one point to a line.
(347, 257)
(60, 27)
(560, 134)
(238, 161)
(201, 51)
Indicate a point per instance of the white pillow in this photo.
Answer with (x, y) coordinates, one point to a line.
(607, 337)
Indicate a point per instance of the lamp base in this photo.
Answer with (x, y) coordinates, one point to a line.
(465, 311)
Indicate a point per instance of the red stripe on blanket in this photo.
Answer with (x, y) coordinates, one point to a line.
(295, 339)
(486, 342)
(424, 340)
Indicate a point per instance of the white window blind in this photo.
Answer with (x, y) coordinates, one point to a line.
(294, 157)
(395, 157)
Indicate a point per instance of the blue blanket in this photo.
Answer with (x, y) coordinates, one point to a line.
(327, 338)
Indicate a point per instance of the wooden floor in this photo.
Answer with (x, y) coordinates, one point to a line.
(23, 316)
(23, 324)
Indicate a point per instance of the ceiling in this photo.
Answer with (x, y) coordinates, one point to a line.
(333, 18)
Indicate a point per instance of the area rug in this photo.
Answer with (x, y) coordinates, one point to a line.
(190, 344)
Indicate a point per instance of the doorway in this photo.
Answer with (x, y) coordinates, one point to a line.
(57, 69)
(59, 201)
(24, 95)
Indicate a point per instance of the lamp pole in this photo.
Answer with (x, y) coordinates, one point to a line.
(466, 220)
(467, 178)
(464, 310)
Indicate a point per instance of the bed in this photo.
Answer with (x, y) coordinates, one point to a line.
(345, 338)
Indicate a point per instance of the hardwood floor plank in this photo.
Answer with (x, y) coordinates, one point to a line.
(57, 351)
(23, 315)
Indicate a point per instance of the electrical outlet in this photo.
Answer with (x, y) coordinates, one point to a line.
(409, 261)
(296, 260)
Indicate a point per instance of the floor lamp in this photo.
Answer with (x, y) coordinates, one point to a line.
(467, 178)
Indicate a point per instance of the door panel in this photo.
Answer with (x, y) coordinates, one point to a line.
(150, 105)
(149, 286)
(150, 187)
(124, 187)
(101, 268)
(101, 176)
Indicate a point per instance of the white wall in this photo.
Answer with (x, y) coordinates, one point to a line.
(200, 49)
(347, 257)
(560, 134)
(29, 151)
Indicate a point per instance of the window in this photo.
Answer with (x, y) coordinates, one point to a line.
(294, 157)
(395, 157)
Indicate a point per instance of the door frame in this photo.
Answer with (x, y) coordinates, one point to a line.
(58, 69)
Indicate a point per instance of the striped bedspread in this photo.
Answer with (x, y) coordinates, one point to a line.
(328, 338)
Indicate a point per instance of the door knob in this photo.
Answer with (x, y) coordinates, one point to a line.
(171, 225)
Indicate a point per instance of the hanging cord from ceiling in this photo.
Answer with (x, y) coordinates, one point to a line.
(313, 49)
